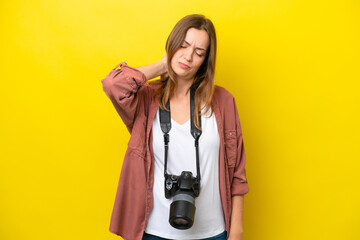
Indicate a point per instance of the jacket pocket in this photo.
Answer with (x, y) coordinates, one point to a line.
(230, 147)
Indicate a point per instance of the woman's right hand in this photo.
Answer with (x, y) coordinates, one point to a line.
(165, 74)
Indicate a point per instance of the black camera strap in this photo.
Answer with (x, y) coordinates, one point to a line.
(165, 123)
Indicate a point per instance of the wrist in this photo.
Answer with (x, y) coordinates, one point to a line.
(163, 67)
(235, 235)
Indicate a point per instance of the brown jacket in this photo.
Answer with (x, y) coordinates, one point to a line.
(133, 100)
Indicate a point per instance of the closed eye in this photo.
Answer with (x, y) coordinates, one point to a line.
(200, 55)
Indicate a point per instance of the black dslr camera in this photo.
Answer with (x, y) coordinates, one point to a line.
(184, 189)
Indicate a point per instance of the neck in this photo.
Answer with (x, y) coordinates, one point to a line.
(182, 90)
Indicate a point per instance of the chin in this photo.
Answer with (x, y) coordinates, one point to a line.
(182, 73)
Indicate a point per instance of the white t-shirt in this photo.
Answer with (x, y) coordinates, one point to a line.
(209, 216)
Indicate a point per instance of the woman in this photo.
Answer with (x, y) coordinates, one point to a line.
(141, 210)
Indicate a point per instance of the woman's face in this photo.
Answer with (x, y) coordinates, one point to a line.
(191, 54)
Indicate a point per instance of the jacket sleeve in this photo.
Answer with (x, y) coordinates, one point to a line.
(122, 87)
(239, 185)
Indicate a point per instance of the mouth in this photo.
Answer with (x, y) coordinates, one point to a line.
(183, 66)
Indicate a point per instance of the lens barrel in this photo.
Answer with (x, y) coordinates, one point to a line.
(182, 210)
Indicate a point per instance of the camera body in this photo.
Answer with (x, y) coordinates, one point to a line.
(185, 182)
(184, 189)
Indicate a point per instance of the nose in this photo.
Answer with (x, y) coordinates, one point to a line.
(188, 54)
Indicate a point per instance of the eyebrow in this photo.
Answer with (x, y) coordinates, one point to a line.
(196, 48)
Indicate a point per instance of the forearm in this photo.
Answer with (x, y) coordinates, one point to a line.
(152, 70)
(236, 229)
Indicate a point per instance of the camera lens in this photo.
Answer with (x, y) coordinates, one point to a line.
(181, 221)
(182, 210)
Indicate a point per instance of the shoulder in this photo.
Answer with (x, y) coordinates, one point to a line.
(222, 91)
(222, 96)
(154, 86)
(225, 103)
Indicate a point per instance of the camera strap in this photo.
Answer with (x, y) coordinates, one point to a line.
(165, 123)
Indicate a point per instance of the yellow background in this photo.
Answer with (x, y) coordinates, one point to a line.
(293, 67)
